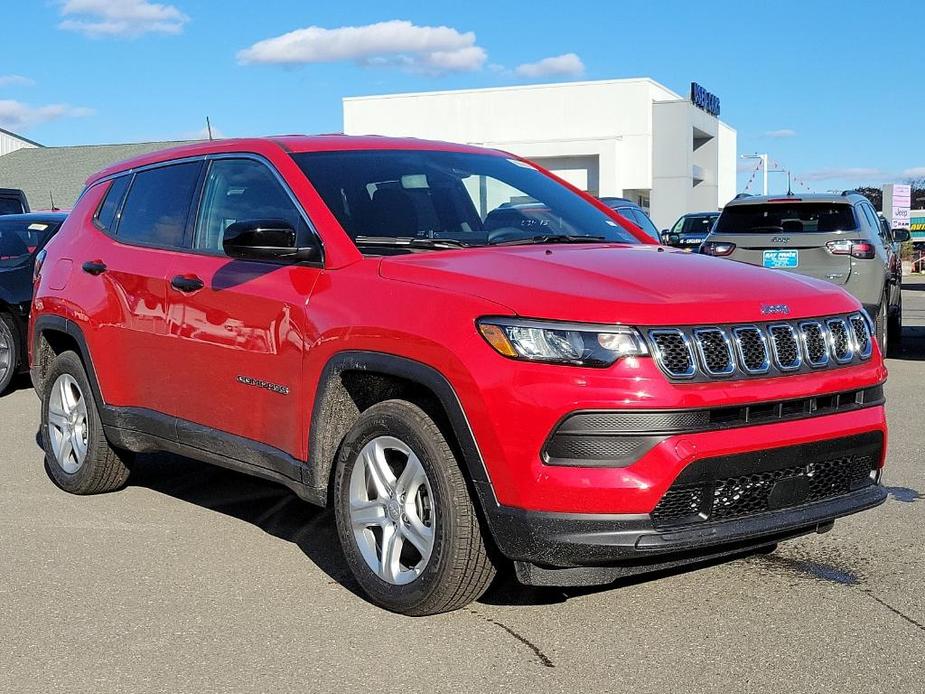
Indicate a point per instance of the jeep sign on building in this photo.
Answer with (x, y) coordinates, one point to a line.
(632, 138)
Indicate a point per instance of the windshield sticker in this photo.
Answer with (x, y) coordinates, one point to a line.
(38, 227)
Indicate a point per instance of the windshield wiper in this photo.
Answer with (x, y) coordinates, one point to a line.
(552, 238)
(410, 241)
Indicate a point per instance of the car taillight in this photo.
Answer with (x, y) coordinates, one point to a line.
(37, 268)
(717, 248)
(856, 248)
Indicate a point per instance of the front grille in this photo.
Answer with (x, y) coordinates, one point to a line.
(673, 353)
(705, 352)
(862, 341)
(707, 492)
(752, 349)
(840, 339)
(714, 351)
(787, 354)
(813, 335)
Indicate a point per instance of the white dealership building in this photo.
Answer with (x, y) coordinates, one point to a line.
(632, 138)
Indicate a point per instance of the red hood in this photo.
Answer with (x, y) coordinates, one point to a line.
(640, 285)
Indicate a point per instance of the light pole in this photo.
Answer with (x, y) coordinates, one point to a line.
(764, 167)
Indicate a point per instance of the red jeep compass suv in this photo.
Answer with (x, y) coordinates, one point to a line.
(470, 360)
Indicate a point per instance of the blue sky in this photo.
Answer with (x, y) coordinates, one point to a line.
(832, 94)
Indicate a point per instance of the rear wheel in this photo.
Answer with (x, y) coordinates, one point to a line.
(406, 522)
(9, 351)
(895, 327)
(882, 327)
(78, 457)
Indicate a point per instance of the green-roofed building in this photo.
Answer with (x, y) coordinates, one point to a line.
(59, 173)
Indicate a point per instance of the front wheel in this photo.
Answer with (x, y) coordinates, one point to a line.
(895, 328)
(406, 522)
(882, 327)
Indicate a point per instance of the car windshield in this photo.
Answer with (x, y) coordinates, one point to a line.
(787, 217)
(413, 199)
(20, 239)
(695, 224)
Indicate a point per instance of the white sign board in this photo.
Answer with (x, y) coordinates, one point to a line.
(897, 199)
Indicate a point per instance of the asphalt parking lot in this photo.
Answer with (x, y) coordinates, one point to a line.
(195, 579)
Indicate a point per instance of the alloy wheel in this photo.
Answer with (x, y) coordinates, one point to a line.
(391, 510)
(68, 423)
(6, 353)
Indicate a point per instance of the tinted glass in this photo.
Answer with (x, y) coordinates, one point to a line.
(21, 239)
(700, 224)
(10, 206)
(238, 190)
(473, 198)
(106, 215)
(643, 221)
(157, 206)
(790, 218)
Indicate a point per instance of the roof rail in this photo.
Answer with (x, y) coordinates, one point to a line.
(855, 191)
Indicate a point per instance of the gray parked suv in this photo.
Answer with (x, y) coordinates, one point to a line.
(832, 237)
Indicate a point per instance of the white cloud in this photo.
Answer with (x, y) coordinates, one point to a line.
(121, 18)
(17, 116)
(783, 132)
(915, 172)
(567, 65)
(396, 43)
(15, 80)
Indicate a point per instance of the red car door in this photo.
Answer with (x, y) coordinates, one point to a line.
(122, 267)
(235, 327)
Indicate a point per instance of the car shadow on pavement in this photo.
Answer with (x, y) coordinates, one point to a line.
(267, 505)
(19, 382)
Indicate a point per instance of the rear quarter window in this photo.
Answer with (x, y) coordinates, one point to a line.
(790, 218)
(105, 217)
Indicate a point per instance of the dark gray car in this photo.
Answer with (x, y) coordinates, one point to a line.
(837, 238)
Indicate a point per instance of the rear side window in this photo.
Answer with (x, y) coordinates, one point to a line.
(10, 206)
(790, 218)
(158, 204)
(106, 215)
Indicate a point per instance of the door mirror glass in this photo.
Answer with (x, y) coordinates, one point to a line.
(901, 235)
(265, 239)
(674, 239)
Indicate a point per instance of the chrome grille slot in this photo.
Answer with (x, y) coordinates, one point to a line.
(786, 348)
(840, 340)
(673, 352)
(862, 341)
(752, 348)
(814, 343)
(714, 350)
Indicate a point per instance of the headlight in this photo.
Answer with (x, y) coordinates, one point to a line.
(561, 343)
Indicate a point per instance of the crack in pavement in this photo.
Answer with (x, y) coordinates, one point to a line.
(544, 660)
(892, 609)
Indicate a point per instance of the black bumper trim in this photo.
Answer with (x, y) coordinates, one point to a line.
(575, 540)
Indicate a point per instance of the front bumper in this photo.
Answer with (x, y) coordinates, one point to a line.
(717, 506)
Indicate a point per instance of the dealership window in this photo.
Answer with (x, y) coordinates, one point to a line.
(158, 204)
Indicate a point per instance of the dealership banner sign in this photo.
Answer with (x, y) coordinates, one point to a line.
(701, 98)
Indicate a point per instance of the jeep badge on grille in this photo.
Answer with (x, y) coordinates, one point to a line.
(774, 309)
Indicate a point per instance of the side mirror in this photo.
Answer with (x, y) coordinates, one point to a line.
(901, 235)
(265, 239)
(674, 239)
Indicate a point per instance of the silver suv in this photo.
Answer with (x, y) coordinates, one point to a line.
(837, 238)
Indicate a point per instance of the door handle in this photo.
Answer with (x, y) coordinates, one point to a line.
(94, 267)
(185, 284)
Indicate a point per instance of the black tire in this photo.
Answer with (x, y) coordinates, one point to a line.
(459, 569)
(104, 468)
(882, 327)
(895, 328)
(9, 366)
